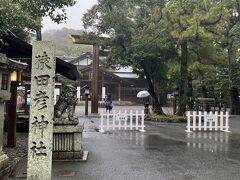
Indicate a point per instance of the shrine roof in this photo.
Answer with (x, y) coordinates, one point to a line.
(21, 51)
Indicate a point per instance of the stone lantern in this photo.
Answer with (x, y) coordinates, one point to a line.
(9, 71)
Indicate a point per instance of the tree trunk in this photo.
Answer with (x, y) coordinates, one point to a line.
(184, 79)
(190, 95)
(206, 106)
(157, 109)
(229, 53)
(235, 104)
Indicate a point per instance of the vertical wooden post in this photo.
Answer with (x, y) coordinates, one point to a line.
(12, 115)
(95, 77)
(86, 104)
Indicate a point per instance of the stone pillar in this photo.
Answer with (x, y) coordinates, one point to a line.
(4, 96)
(41, 111)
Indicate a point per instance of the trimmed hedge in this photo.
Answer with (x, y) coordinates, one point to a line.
(168, 118)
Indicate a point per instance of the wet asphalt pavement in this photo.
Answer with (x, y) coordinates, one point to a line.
(163, 152)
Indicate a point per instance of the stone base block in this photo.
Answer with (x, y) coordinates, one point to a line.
(67, 155)
(70, 157)
(67, 140)
(3, 164)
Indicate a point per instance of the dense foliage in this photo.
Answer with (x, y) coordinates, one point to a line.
(192, 45)
(23, 16)
(136, 38)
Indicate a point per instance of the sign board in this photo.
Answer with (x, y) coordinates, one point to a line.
(210, 118)
(121, 117)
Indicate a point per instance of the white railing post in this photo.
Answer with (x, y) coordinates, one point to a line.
(227, 123)
(221, 121)
(210, 123)
(216, 120)
(131, 120)
(188, 122)
(199, 120)
(205, 121)
(136, 119)
(114, 119)
(119, 120)
(142, 129)
(101, 126)
(108, 114)
(125, 120)
(194, 120)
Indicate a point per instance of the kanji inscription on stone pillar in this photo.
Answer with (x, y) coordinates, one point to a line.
(41, 111)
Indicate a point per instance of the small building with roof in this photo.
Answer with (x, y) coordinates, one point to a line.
(121, 83)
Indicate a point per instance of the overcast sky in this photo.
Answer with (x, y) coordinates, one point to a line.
(74, 15)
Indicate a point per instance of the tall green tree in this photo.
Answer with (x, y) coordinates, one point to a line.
(187, 21)
(228, 39)
(136, 37)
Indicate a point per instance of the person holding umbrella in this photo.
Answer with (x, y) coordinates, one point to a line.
(145, 95)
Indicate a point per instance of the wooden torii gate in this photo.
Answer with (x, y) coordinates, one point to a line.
(78, 39)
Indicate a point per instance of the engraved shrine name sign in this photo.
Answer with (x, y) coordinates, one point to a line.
(41, 111)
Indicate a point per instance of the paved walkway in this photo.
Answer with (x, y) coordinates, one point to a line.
(164, 152)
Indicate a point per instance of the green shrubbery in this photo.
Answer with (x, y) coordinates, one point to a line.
(168, 118)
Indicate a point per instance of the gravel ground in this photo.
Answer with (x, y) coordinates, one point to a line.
(17, 153)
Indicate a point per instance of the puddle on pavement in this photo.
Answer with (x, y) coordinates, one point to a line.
(158, 141)
(148, 141)
(224, 143)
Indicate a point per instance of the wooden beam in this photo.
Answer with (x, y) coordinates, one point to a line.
(79, 39)
(12, 116)
(95, 77)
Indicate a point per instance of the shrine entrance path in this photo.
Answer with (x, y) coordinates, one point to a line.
(164, 152)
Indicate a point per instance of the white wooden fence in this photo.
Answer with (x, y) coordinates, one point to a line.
(122, 120)
(207, 121)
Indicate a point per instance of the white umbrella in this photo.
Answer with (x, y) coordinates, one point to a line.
(142, 94)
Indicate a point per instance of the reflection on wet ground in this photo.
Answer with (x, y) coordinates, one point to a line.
(209, 141)
(216, 141)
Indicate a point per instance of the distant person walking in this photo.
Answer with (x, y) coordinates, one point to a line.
(108, 103)
(146, 102)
